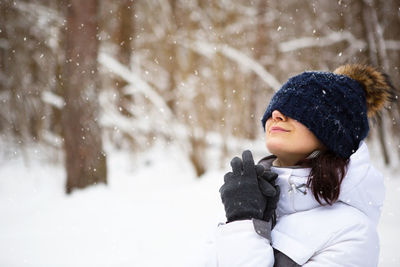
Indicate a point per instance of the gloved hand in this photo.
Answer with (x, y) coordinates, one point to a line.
(241, 194)
(265, 181)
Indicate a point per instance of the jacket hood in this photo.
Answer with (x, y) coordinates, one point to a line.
(362, 186)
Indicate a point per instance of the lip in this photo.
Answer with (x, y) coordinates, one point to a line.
(275, 129)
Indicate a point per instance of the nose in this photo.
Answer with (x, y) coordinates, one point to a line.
(278, 116)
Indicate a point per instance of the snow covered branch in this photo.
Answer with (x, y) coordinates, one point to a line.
(328, 40)
(136, 81)
(392, 44)
(4, 43)
(167, 123)
(236, 55)
(47, 22)
(43, 14)
(113, 119)
(53, 99)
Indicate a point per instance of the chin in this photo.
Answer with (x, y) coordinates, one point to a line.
(275, 147)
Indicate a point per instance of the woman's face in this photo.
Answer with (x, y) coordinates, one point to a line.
(288, 139)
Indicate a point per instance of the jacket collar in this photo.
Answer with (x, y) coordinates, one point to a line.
(361, 188)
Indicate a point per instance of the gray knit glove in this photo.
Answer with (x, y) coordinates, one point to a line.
(265, 181)
(247, 190)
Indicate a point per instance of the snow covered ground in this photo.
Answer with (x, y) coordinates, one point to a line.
(154, 212)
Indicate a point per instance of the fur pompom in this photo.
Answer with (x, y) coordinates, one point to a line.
(378, 88)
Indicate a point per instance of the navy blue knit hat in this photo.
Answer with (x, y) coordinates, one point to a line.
(333, 105)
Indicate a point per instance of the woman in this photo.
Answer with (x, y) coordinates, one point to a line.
(330, 194)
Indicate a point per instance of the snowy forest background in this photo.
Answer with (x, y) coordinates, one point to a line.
(118, 119)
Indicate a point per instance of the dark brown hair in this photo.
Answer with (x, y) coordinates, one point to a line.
(326, 176)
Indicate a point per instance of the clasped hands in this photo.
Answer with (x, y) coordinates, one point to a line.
(249, 191)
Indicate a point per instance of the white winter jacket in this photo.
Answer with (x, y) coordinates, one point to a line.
(343, 234)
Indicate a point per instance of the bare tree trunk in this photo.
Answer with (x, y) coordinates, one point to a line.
(372, 32)
(394, 58)
(124, 36)
(172, 53)
(263, 48)
(4, 58)
(56, 113)
(85, 160)
(3, 52)
(125, 30)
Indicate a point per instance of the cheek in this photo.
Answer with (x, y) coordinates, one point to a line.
(310, 141)
(306, 141)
